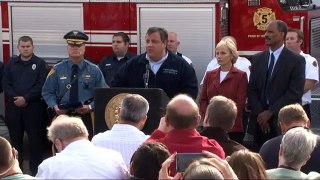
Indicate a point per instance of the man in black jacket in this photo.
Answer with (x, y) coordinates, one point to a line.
(23, 79)
(158, 68)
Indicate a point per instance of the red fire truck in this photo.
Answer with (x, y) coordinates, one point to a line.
(199, 23)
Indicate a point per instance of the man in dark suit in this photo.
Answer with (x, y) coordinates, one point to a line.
(276, 80)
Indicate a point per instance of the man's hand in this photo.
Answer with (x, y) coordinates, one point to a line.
(83, 110)
(164, 171)
(164, 126)
(20, 101)
(263, 119)
(59, 111)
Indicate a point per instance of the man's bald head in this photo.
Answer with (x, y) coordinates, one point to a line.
(6, 158)
(173, 42)
(182, 112)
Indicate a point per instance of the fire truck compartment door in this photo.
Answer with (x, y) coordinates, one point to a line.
(46, 23)
(194, 24)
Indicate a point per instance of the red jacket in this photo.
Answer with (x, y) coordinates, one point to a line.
(186, 141)
(234, 86)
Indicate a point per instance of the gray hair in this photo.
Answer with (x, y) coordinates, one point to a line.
(133, 108)
(297, 144)
(66, 128)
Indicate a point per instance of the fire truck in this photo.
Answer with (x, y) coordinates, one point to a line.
(200, 25)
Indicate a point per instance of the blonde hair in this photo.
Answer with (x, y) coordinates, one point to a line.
(247, 165)
(202, 169)
(231, 46)
(292, 113)
(66, 128)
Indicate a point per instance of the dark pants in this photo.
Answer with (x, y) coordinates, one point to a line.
(261, 138)
(307, 110)
(87, 121)
(32, 120)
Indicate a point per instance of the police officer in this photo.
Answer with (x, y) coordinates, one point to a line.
(70, 84)
(23, 79)
(111, 64)
(158, 68)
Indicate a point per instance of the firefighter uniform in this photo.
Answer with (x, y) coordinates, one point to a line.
(174, 75)
(26, 78)
(312, 73)
(110, 65)
(58, 87)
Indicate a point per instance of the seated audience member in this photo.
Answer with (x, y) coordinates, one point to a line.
(209, 167)
(9, 164)
(126, 137)
(247, 165)
(147, 160)
(177, 129)
(220, 117)
(296, 146)
(78, 158)
(289, 116)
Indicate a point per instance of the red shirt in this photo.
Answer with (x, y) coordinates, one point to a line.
(186, 141)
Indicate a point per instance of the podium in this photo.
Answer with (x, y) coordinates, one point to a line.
(106, 100)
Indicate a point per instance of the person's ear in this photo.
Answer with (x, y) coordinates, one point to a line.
(58, 144)
(308, 124)
(280, 151)
(142, 122)
(198, 120)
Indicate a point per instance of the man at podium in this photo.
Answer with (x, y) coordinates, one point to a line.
(158, 68)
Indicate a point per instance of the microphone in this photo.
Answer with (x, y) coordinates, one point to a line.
(146, 75)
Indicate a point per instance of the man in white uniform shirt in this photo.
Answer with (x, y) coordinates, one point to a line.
(77, 157)
(126, 137)
(242, 63)
(294, 42)
(173, 44)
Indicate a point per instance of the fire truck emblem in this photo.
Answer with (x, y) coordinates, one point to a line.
(262, 17)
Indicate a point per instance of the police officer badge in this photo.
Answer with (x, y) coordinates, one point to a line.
(34, 66)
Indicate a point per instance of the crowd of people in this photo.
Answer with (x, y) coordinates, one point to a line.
(248, 120)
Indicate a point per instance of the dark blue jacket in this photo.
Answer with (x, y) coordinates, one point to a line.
(174, 76)
(110, 65)
(24, 78)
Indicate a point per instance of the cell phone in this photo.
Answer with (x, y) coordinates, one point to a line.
(183, 160)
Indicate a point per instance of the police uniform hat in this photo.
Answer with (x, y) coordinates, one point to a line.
(76, 37)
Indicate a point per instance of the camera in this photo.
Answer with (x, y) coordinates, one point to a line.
(183, 160)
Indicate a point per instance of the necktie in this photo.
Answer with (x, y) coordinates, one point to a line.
(73, 98)
(268, 78)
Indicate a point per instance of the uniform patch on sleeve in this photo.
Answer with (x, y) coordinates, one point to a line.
(314, 63)
(52, 71)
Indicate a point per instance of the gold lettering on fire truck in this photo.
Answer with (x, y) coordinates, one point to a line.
(262, 17)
